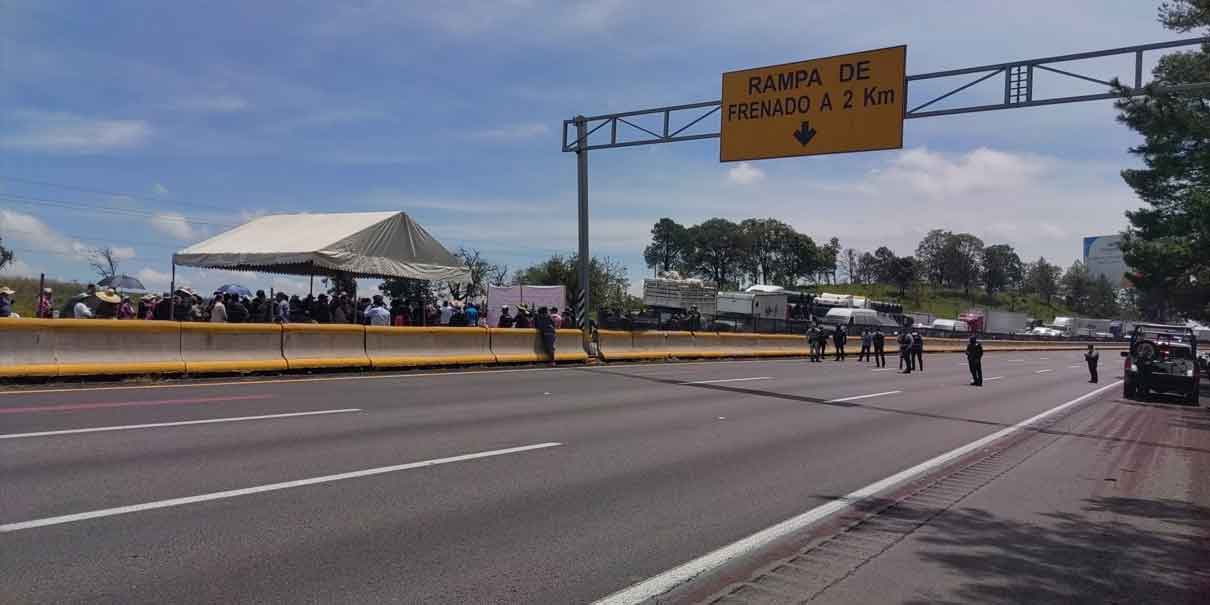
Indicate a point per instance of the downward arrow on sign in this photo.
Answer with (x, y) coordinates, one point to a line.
(804, 134)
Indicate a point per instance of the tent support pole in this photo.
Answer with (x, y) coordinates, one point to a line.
(172, 295)
(312, 284)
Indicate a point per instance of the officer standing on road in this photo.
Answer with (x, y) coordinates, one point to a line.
(905, 352)
(1092, 357)
(974, 359)
(812, 334)
(838, 340)
(879, 348)
(867, 339)
(917, 351)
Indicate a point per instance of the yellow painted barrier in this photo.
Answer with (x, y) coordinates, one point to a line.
(393, 347)
(217, 347)
(109, 346)
(569, 346)
(27, 348)
(682, 344)
(516, 345)
(739, 344)
(651, 344)
(782, 345)
(616, 345)
(324, 346)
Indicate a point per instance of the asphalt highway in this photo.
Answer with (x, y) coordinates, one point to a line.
(531, 485)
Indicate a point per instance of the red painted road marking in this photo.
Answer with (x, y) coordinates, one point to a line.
(123, 404)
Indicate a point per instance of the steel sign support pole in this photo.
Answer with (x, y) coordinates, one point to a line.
(585, 298)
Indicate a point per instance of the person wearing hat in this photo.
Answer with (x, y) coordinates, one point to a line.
(6, 301)
(547, 332)
(107, 308)
(126, 309)
(523, 319)
(506, 319)
(46, 304)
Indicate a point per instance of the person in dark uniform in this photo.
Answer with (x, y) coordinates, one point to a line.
(905, 352)
(1092, 357)
(866, 341)
(974, 359)
(811, 343)
(917, 351)
(879, 348)
(546, 330)
(838, 340)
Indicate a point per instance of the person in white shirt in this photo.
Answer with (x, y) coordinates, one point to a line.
(447, 312)
(218, 313)
(377, 314)
(282, 312)
(81, 310)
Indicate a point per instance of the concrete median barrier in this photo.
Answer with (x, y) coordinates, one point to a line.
(782, 345)
(569, 346)
(95, 347)
(394, 347)
(27, 348)
(739, 344)
(516, 345)
(682, 345)
(522, 345)
(616, 345)
(312, 346)
(216, 347)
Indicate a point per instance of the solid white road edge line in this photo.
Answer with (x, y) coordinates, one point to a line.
(134, 508)
(884, 370)
(1014, 360)
(676, 576)
(1043, 371)
(729, 380)
(1075, 366)
(127, 427)
(856, 397)
(993, 378)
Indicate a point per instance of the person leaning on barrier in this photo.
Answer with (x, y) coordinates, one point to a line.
(546, 331)
(237, 311)
(974, 360)
(108, 307)
(523, 320)
(506, 318)
(377, 314)
(46, 304)
(6, 302)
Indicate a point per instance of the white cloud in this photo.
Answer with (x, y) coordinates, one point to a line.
(122, 253)
(159, 189)
(29, 231)
(20, 268)
(512, 132)
(745, 173)
(64, 133)
(154, 281)
(174, 224)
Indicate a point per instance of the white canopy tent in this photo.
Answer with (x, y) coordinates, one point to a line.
(362, 244)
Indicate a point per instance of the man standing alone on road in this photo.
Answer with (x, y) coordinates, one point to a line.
(867, 339)
(917, 351)
(905, 352)
(1092, 357)
(879, 348)
(974, 359)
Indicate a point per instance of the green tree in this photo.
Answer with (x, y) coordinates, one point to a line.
(1042, 278)
(829, 258)
(482, 274)
(774, 253)
(1077, 288)
(715, 250)
(1167, 243)
(961, 261)
(930, 256)
(884, 265)
(1103, 299)
(668, 247)
(342, 282)
(1002, 268)
(408, 289)
(903, 272)
(606, 277)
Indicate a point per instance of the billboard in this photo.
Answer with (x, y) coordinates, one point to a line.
(1103, 256)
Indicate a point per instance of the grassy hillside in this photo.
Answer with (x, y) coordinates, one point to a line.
(949, 303)
(27, 292)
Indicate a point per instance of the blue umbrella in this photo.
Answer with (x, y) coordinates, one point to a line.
(122, 283)
(235, 289)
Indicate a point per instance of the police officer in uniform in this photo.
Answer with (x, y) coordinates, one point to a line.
(1092, 357)
(879, 348)
(974, 359)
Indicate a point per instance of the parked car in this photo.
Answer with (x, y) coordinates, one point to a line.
(1162, 359)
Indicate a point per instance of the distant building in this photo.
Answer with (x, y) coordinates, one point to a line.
(1103, 256)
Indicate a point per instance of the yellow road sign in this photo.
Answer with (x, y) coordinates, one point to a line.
(836, 104)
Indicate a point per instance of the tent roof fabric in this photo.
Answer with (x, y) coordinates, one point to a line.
(361, 244)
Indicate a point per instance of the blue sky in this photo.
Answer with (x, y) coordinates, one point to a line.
(147, 126)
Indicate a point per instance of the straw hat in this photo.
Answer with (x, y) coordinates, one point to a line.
(109, 296)
(7, 290)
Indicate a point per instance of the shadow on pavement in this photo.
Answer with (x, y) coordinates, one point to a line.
(1117, 550)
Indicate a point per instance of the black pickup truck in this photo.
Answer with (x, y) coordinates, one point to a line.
(1162, 359)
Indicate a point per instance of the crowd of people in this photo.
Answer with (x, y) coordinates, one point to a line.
(231, 307)
(873, 346)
